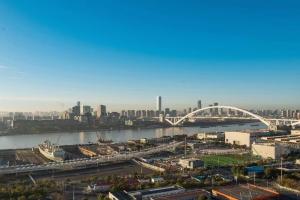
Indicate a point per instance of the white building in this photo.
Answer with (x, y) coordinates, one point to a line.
(295, 132)
(269, 150)
(191, 163)
(242, 138)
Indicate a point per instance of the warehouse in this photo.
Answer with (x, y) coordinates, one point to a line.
(270, 150)
(244, 191)
(245, 138)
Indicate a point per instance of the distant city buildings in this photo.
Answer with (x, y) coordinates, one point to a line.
(86, 114)
(199, 104)
(101, 111)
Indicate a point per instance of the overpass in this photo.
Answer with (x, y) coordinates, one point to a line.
(81, 163)
(270, 123)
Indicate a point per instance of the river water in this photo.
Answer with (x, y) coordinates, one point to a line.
(64, 138)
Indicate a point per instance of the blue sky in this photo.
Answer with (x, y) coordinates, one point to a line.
(125, 53)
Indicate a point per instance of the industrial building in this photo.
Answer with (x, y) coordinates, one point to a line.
(163, 139)
(210, 136)
(92, 150)
(163, 193)
(191, 163)
(244, 192)
(270, 150)
(243, 138)
(155, 192)
(187, 195)
(194, 145)
(285, 139)
(119, 195)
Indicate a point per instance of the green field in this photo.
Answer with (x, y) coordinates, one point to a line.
(226, 160)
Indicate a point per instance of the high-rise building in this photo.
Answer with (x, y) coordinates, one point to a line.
(76, 109)
(211, 110)
(101, 111)
(158, 103)
(144, 113)
(216, 111)
(85, 109)
(167, 111)
(199, 104)
(123, 113)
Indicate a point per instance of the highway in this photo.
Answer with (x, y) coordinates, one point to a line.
(77, 163)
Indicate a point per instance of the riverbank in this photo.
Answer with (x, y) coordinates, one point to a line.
(203, 124)
(84, 137)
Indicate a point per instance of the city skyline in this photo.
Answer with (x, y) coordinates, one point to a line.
(125, 54)
(156, 106)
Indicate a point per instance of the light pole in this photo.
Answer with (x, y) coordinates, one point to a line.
(281, 170)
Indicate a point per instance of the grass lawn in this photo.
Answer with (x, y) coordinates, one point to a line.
(226, 160)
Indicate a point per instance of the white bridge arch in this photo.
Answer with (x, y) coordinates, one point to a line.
(267, 122)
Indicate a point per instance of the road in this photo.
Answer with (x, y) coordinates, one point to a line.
(119, 169)
(81, 162)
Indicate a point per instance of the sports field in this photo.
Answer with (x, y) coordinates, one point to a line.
(226, 160)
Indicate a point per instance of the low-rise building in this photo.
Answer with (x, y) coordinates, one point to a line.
(244, 191)
(191, 163)
(293, 139)
(163, 139)
(119, 195)
(270, 150)
(211, 136)
(254, 170)
(142, 181)
(295, 132)
(243, 138)
(149, 194)
(157, 179)
(194, 145)
(186, 195)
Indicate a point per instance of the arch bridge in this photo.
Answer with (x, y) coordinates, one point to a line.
(270, 123)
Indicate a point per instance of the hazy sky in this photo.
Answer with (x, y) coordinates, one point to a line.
(125, 53)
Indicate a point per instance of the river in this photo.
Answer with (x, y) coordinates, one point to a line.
(64, 138)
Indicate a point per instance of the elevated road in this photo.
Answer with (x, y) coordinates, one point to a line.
(77, 163)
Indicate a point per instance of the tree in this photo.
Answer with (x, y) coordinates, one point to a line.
(270, 173)
(202, 197)
(22, 197)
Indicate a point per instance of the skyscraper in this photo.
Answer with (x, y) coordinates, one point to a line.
(199, 104)
(101, 111)
(216, 111)
(158, 103)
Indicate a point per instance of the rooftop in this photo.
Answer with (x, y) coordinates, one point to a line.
(191, 194)
(121, 195)
(286, 138)
(245, 191)
(156, 190)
